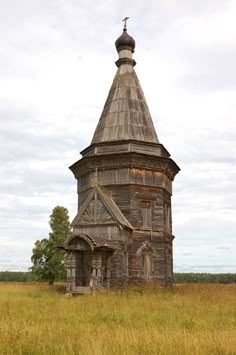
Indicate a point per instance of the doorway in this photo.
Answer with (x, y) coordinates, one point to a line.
(83, 268)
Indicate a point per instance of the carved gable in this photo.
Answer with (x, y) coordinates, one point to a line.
(96, 213)
(99, 208)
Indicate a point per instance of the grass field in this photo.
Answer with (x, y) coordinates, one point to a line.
(188, 319)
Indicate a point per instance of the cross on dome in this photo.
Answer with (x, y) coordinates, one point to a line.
(125, 22)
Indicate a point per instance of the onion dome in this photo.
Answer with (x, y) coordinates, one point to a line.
(125, 41)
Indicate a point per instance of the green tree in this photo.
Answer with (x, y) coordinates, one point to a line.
(48, 260)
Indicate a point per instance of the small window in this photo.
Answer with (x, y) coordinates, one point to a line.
(146, 214)
(167, 219)
(169, 261)
(147, 264)
(125, 262)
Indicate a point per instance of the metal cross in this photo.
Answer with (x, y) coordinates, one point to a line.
(125, 22)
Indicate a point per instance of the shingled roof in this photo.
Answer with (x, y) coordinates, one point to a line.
(125, 115)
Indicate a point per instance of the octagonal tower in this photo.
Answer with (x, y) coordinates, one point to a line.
(123, 230)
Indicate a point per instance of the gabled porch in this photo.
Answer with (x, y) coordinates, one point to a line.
(88, 264)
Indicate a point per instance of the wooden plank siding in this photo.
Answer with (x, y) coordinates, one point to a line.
(124, 187)
(130, 197)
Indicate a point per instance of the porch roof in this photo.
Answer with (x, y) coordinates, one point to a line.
(95, 242)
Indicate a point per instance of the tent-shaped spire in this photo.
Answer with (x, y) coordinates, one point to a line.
(125, 115)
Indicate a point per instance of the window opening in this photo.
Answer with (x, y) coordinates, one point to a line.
(146, 214)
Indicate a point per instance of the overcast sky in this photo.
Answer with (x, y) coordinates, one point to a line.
(56, 68)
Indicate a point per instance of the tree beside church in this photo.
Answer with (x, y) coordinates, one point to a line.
(48, 260)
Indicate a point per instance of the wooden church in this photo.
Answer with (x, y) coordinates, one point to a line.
(122, 233)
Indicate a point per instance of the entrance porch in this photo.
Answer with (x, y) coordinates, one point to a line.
(88, 264)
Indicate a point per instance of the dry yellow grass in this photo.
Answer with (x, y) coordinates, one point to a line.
(190, 319)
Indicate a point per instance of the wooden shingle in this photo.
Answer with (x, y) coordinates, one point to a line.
(125, 115)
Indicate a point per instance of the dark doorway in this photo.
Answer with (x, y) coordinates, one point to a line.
(83, 268)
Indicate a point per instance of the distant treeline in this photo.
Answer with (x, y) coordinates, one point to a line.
(191, 277)
(179, 277)
(16, 276)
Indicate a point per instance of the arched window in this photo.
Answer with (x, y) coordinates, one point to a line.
(147, 256)
(147, 264)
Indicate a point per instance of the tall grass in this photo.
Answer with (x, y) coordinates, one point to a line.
(189, 319)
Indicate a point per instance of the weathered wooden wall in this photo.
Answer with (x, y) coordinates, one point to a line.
(144, 198)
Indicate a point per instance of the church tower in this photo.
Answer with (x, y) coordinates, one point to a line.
(122, 232)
